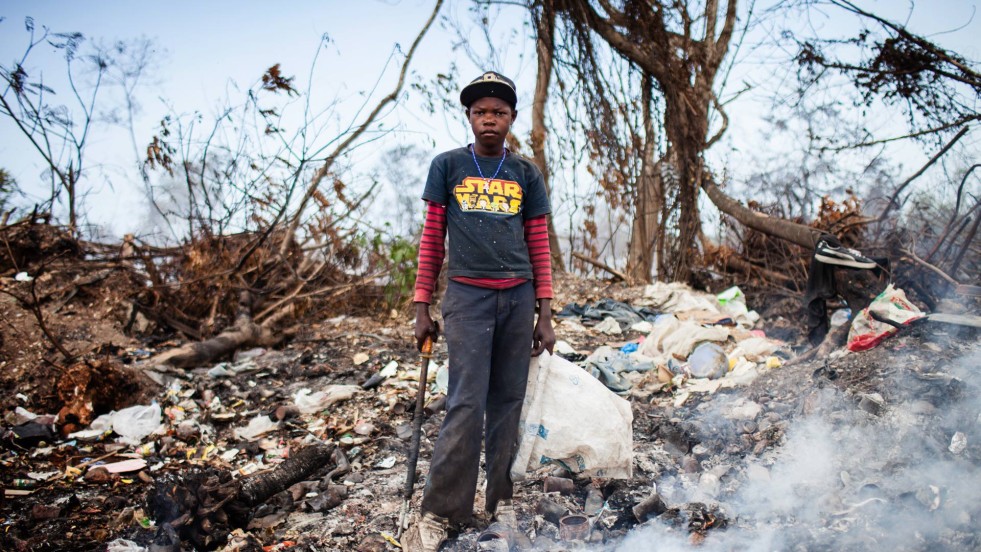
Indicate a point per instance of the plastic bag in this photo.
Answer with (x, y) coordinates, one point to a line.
(867, 332)
(133, 424)
(571, 419)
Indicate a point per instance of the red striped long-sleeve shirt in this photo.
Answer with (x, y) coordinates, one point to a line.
(432, 251)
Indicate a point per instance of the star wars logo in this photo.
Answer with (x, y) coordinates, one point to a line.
(502, 197)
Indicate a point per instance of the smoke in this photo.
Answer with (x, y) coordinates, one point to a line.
(844, 478)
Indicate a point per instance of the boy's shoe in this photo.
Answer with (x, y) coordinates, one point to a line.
(427, 535)
(841, 256)
(505, 514)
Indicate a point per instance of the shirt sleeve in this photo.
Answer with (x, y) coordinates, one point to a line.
(536, 234)
(435, 190)
(536, 198)
(432, 251)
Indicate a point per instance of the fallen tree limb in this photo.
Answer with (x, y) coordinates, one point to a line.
(600, 265)
(802, 235)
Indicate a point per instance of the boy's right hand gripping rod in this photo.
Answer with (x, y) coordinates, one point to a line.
(410, 476)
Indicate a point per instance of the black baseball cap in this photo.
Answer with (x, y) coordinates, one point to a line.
(489, 85)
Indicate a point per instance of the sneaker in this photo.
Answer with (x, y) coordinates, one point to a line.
(841, 256)
(427, 535)
(505, 514)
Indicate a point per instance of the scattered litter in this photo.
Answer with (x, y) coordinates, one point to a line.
(360, 358)
(123, 545)
(135, 423)
(385, 463)
(260, 425)
(23, 277)
(958, 443)
(563, 348)
(125, 466)
(608, 326)
(708, 360)
(882, 318)
(309, 402)
(841, 316)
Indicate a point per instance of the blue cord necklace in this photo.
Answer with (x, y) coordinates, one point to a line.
(480, 172)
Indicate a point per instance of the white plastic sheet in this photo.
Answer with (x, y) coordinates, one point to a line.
(571, 419)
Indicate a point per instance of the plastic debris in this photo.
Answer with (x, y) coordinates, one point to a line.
(23, 277)
(123, 545)
(309, 402)
(562, 347)
(259, 425)
(840, 316)
(135, 464)
(958, 443)
(609, 326)
(708, 360)
(135, 423)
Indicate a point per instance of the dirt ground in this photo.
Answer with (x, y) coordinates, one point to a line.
(696, 460)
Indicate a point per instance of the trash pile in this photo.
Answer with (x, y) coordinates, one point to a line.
(691, 341)
(733, 442)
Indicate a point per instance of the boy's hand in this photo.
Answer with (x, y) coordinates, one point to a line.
(544, 336)
(425, 327)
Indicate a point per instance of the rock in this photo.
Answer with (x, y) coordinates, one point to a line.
(187, 430)
(747, 410)
(98, 476)
(45, 511)
(689, 464)
(873, 403)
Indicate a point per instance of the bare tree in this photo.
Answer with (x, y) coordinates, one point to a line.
(57, 132)
(682, 49)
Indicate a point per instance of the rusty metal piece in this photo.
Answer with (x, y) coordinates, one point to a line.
(574, 527)
(559, 485)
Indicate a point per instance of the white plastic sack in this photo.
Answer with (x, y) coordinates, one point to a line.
(308, 402)
(571, 419)
(135, 423)
(676, 338)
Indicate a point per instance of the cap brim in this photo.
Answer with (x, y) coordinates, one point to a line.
(474, 91)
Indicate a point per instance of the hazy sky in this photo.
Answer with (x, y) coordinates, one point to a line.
(205, 46)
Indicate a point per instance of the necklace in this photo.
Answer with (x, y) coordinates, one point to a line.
(480, 172)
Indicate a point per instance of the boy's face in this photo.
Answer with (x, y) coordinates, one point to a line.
(490, 119)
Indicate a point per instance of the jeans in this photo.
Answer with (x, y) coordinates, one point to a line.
(489, 337)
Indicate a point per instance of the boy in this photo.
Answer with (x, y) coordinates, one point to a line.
(499, 264)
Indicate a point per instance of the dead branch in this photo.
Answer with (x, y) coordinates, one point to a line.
(341, 148)
(892, 200)
(967, 244)
(913, 257)
(953, 217)
(600, 265)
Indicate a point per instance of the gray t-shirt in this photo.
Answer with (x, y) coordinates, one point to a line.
(485, 217)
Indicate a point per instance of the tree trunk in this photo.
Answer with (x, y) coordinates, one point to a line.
(686, 126)
(545, 46)
(648, 203)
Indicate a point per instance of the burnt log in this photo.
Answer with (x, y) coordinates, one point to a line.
(202, 506)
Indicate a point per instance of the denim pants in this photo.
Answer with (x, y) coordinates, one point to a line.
(489, 337)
